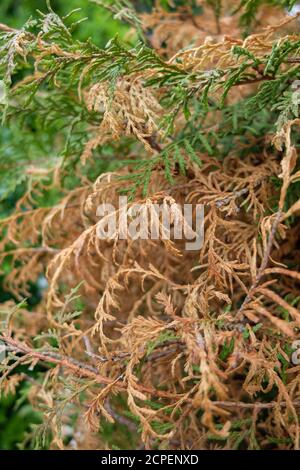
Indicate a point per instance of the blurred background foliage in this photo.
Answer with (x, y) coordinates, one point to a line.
(17, 417)
(100, 26)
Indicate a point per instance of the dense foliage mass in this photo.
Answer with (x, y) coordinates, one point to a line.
(142, 343)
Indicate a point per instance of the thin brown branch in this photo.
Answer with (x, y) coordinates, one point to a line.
(119, 418)
(264, 263)
(261, 406)
(293, 60)
(7, 29)
(79, 368)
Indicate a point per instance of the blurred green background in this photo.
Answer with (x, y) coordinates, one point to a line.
(100, 26)
(16, 414)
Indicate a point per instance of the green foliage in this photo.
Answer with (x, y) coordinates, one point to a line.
(51, 107)
(175, 154)
(100, 25)
(162, 338)
(16, 418)
(227, 350)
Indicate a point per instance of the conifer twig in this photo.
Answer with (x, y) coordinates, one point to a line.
(264, 263)
(79, 368)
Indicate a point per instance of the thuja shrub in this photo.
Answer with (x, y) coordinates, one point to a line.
(141, 343)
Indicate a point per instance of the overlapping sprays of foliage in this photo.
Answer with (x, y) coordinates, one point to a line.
(183, 349)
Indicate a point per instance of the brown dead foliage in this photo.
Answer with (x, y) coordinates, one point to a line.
(156, 318)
